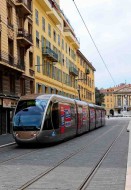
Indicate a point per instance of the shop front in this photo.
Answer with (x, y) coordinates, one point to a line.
(7, 107)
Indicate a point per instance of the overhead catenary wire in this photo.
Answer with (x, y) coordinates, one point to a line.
(94, 43)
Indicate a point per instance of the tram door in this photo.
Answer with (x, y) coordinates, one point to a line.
(80, 120)
(92, 118)
(55, 116)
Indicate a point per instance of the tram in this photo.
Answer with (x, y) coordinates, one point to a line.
(49, 118)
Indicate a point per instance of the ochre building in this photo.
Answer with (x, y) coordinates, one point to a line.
(16, 57)
(39, 53)
(86, 83)
(117, 99)
(55, 47)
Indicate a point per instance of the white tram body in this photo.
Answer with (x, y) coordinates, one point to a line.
(51, 118)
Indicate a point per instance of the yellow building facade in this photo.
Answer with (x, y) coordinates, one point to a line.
(39, 53)
(117, 99)
(55, 47)
(86, 84)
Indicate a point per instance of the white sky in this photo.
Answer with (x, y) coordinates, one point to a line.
(109, 22)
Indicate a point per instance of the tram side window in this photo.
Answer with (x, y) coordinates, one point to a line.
(47, 122)
(55, 116)
(73, 114)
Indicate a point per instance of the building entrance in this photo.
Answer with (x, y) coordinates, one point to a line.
(6, 116)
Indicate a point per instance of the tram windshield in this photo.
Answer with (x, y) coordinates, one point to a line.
(29, 114)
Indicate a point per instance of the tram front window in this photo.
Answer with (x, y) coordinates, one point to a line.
(29, 115)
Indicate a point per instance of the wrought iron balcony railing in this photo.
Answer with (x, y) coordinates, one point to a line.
(49, 53)
(12, 61)
(73, 71)
(23, 33)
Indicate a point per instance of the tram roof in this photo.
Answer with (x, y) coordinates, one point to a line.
(45, 96)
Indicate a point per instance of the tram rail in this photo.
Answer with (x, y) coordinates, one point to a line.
(6, 145)
(88, 178)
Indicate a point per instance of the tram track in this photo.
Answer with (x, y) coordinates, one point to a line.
(3, 149)
(6, 145)
(88, 178)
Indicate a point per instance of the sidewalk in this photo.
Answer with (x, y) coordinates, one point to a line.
(128, 174)
(6, 139)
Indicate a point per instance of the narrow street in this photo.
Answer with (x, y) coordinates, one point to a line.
(68, 164)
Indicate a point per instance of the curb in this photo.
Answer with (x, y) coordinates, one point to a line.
(129, 127)
(128, 173)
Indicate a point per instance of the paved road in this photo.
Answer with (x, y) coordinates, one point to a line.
(23, 164)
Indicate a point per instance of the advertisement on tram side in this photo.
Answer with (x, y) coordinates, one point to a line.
(84, 112)
(65, 115)
(92, 115)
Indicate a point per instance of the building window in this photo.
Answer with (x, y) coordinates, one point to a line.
(31, 87)
(119, 101)
(43, 23)
(36, 17)
(30, 29)
(49, 30)
(69, 50)
(22, 86)
(9, 15)
(39, 88)
(63, 60)
(43, 66)
(30, 59)
(58, 39)
(37, 38)
(48, 69)
(54, 35)
(10, 51)
(1, 82)
(38, 64)
(62, 44)
(66, 47)
(48, 44)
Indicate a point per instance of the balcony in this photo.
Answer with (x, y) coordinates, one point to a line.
(54, 16)
(71, 37)
(13, 62)
(46, 5)
(50, 54)
(24, 7)
(24, 38)
(73, 71)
